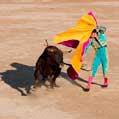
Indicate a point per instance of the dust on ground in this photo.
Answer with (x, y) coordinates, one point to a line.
(23, 28)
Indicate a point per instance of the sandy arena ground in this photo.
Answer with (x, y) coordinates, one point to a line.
(23, 28)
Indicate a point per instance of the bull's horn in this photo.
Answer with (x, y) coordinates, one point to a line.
(66, 52)
(46, 42)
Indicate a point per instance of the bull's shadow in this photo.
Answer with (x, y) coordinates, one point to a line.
(19, 78)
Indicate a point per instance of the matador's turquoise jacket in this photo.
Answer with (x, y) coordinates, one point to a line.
(100, 46)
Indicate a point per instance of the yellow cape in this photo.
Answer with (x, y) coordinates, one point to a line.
(80, 32)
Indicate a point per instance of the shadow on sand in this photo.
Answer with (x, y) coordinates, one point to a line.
(19, 78)
(74, 82)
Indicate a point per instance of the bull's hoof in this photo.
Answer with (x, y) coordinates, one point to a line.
(23, 94)
(51, 87)
(29, 93)
(36, 84)
(57, 86)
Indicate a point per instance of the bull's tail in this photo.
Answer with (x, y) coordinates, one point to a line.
(82, 68)
(66, 64)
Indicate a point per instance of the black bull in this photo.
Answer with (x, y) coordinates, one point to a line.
(49, 65)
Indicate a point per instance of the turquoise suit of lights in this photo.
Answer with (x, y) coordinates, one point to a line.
(100, 54)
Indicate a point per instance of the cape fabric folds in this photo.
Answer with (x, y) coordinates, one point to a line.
(78, 38)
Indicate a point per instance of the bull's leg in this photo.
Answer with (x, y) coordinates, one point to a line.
(36, 76)
(50, 79)
(53, 79)
(56, 75)
(28, 88)
(54, 82)
(43, 81)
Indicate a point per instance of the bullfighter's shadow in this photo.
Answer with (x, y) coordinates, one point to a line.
(74, 82)
(19, 78)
